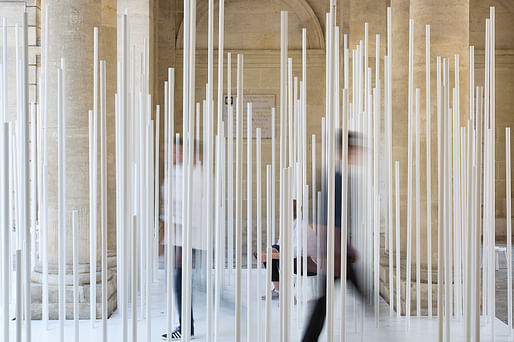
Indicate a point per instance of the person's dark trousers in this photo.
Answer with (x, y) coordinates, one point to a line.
(319, 311)
(275, 265)
(177, 284)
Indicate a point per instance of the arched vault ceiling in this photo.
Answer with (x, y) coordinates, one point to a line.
(255, 24)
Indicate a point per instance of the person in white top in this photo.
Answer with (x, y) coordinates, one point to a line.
(177, 225)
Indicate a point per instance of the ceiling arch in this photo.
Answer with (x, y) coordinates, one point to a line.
(261, 29)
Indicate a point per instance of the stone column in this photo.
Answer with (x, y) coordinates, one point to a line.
(449, 22)
(449, 36)
(71, 25)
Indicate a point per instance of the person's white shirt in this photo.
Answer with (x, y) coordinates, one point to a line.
(311, 240)
(197, 188)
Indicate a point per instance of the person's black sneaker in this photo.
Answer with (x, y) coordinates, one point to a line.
(176, 335)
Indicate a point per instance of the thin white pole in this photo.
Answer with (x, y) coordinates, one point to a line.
(428, 139)
(148, 273)
(344, 212)
(103, 192)
(269, 252)
(388, 126)
(230, 171)
(330, 178)
(4, 207)
(209, 162)
(249, 222)
(409, 171)
(5, 203)
(134, 277)
(509, 226)
(290, 134)
(18, 315)
(62, 202)
(439, 203)
(24, 224)
(259, 231)
(273, 167)
(238, 227)
(93, 158)
(398, 266)
(418, 207)
(75, 218)
(156, 193)
(169, 211)
(218, 234)
(313, 182)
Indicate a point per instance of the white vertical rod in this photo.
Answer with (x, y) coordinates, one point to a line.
(18, 311)
(446, 121)
(283, 152)
(93, 197)
(4, 225)
(509, 226)
(418, 206)
(238, 227)
(24, 225)
(185, 113)
(305, 256)
(330, 178)
(62, 202)
(376, 255)
(439, 203)
(230, 170)
(187, 251)
(269, 251)
(5, 62)
(290, 137)
(75, 218)
(283, 85)
(397, 211)
(457, 193)
(344, 213)
(389, 193)
(273, 167)
(249, 221)
(34, 181)
(156, 194)
(259, 231)
(492, 103)
(134, 276)
(218, 233)
(148, 199)
(221, 23)
(313, 182)
(428, 138)
(303, 99)
(103, 192)
(209, 162)
(409, 171)
(5, 206)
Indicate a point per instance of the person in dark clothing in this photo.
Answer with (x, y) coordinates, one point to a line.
(317, 318)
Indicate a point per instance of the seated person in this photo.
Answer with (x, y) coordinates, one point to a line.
(275, 263)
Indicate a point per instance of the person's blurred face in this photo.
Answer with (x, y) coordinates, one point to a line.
(353, 153)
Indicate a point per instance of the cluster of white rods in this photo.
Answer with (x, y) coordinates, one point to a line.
(462, 184)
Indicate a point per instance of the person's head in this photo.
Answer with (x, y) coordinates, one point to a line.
(355, 145)
(179, 147)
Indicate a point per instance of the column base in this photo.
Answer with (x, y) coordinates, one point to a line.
(84, 290)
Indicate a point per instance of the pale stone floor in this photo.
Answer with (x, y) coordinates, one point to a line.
(501, 288)
(390, 328)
